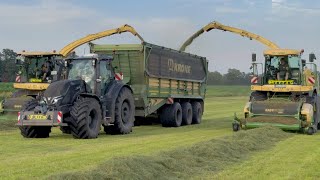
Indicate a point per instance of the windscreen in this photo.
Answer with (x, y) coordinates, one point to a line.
(38, 69)
(82, 69)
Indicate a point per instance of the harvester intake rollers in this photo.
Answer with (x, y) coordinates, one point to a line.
(171, 115)
(196, 112)
(258, 96)
(86, 118)
(124, 114)
(186, 113)
(34, 131)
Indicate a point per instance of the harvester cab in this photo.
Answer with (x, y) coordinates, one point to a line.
(284, 93)
(35, 71)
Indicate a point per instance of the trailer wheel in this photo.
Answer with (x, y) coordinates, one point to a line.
(34, 131)
(171, 115)
(186, 113)
(85, 119)
(124, 113)
(196, 113)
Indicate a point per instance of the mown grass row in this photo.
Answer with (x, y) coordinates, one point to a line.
(183, 163)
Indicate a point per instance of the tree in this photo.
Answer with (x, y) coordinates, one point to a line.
(7, 65)
(215, 78)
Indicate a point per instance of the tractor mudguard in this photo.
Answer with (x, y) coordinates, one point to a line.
(111, 94)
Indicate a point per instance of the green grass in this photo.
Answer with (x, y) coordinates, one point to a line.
(209, 156)
(6, 87)
(227, 91)
(20, 157)
(256, 155)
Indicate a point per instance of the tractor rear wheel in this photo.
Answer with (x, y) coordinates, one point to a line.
(196, 112)
(171, 115)
(186, 113)
(34, 131)
(85, 119)
(124, 114)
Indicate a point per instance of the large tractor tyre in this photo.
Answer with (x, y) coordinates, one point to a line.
(34, 131)
(171, 115)
(258, 96)
(196, 112)
(186, 113)
(85, 119)
(124, 113)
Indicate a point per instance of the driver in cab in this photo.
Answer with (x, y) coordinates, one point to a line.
(283, 73)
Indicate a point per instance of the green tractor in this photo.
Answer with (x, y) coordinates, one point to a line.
(284, 93)
(35, 71)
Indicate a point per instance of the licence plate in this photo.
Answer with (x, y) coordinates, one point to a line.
(37, 117)
(280, 86)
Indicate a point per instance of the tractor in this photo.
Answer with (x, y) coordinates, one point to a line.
(290, 102)
(89, 97)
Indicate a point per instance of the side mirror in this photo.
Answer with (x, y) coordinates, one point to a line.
(312, 57)
(254, 57)
(303, 62)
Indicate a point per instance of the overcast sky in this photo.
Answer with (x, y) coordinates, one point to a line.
(45, 25)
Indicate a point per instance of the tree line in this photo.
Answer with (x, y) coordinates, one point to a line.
(232, 77)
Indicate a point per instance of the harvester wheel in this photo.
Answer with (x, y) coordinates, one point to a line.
(235, 127)
(171, 115)
(85, 118)
(34, 131)
(196, 113)
(310, 131)
(186, 113)
(124, 113)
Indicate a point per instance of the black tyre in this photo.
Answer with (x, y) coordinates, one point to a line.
(34, 131)
(171, 115)
(66, 129)
(196, 112)
(186, 113)
(85, 118)
(124, 113)
(235, 127)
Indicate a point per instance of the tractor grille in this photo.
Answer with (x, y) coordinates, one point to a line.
(273, 119)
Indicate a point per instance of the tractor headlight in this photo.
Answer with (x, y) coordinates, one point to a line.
(55, 100)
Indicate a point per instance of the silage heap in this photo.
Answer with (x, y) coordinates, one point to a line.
(186, 162)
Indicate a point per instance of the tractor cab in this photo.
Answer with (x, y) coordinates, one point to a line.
(36, 70)
(284, 68)
(95, 70)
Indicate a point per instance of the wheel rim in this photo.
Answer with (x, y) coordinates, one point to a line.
(92, 119)
(125, 112)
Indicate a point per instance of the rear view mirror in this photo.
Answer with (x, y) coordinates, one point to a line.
(254, 57)
(312, 57)
(303, 62)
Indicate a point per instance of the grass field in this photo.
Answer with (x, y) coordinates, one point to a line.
(206, 151)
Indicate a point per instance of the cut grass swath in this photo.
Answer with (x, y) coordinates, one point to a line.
(209, 156)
